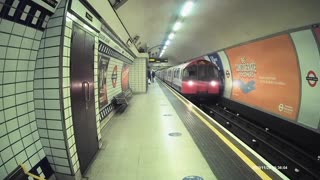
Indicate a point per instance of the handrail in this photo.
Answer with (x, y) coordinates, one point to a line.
(30, 174)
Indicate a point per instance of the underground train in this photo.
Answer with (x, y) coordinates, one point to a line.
(196, 78)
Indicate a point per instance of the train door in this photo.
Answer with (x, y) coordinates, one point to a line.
(82, 96)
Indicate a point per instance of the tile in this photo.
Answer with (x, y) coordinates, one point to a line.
(39, 104)
(45, 142)
(61, 161)
(54, 134)
(14, 136)
(6, 154)
(17, 147)
(52, 93)
(40, 114)
(56, 31)
(51, 72)
(54, 124)
(51, 83)
(59, 153)
(26, 43)
(38, 84)
(12, 125)
(38, 35)
(24, 54)
(21, 157)
(38, 143)
(25, 130)
(4, 141)
(6, 26)
(52, 104)
(39, 63)
(21, 87)
(18, 29)
(51, 62)
(22, 109)
(57, 143)
(30, 32)
(58, 12)
(34, 159)
(43, 133)
(53, 22)
(3, 129)
(23, 120)
(21, 98)
(21, 76)
(31, 150)
(23, 16)
(10, 65)
(52, 51)
(53, 114)
(9, 77)
(15, 41)
(64, 170)
(1, 114)
(9, 101)
(22, 65)
(11, 165)
(4, 39)
(35, 45)
(33, 55)
(41, 123)
(12, 53)
(27, 140)
(10, 113)
(32, 65)
(54, 41)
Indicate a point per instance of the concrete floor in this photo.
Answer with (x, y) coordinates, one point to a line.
(136, 144)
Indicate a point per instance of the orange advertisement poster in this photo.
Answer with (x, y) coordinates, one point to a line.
(266, 76)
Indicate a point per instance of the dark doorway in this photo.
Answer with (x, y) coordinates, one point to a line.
(82, 96)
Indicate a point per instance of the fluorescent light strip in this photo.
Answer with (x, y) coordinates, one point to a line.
(177, 26)
(186, 8)
(171, 35)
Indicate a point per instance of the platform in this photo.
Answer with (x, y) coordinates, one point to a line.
(137, 144)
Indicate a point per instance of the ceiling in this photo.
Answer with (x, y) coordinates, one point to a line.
(212, 24)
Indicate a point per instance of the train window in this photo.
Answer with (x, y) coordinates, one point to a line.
(190, 72)
(206, 72)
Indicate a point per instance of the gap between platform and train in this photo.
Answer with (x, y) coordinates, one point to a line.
(233, 147)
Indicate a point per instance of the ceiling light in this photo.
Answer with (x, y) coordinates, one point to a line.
(171, 35)
(186, 8)
(167, 42)
(177, 26)
(164, 47)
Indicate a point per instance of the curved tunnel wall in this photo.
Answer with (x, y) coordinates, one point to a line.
(35, 107)
(277, 75)
(274, 82)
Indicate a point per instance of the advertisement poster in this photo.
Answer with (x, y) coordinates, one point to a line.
(266, 76)
(125, 77)
(102, 79)
(215, 59)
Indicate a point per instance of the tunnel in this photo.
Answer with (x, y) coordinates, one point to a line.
(161, 90)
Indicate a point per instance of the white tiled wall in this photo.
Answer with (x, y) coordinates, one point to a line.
(138, 75)
(19, 136)
(53, 118)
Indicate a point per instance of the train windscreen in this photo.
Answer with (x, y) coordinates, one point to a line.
(200, 72)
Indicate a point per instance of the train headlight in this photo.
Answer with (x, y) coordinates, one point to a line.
(190, 83)
(213, 83)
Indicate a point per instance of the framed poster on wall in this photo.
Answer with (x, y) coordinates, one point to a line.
(102, 79)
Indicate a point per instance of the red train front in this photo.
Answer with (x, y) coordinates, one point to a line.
(198, 78)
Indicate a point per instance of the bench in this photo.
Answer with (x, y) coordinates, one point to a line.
(121, 100)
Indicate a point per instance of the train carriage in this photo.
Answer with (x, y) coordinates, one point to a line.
(197, 78)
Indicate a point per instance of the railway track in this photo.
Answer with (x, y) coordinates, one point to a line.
(285, 156)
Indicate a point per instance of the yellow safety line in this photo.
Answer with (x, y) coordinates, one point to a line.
(30, 174)
(244, 157)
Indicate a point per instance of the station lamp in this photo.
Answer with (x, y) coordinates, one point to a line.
(186, 8)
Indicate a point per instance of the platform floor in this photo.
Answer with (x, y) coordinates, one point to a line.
(137, 145)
